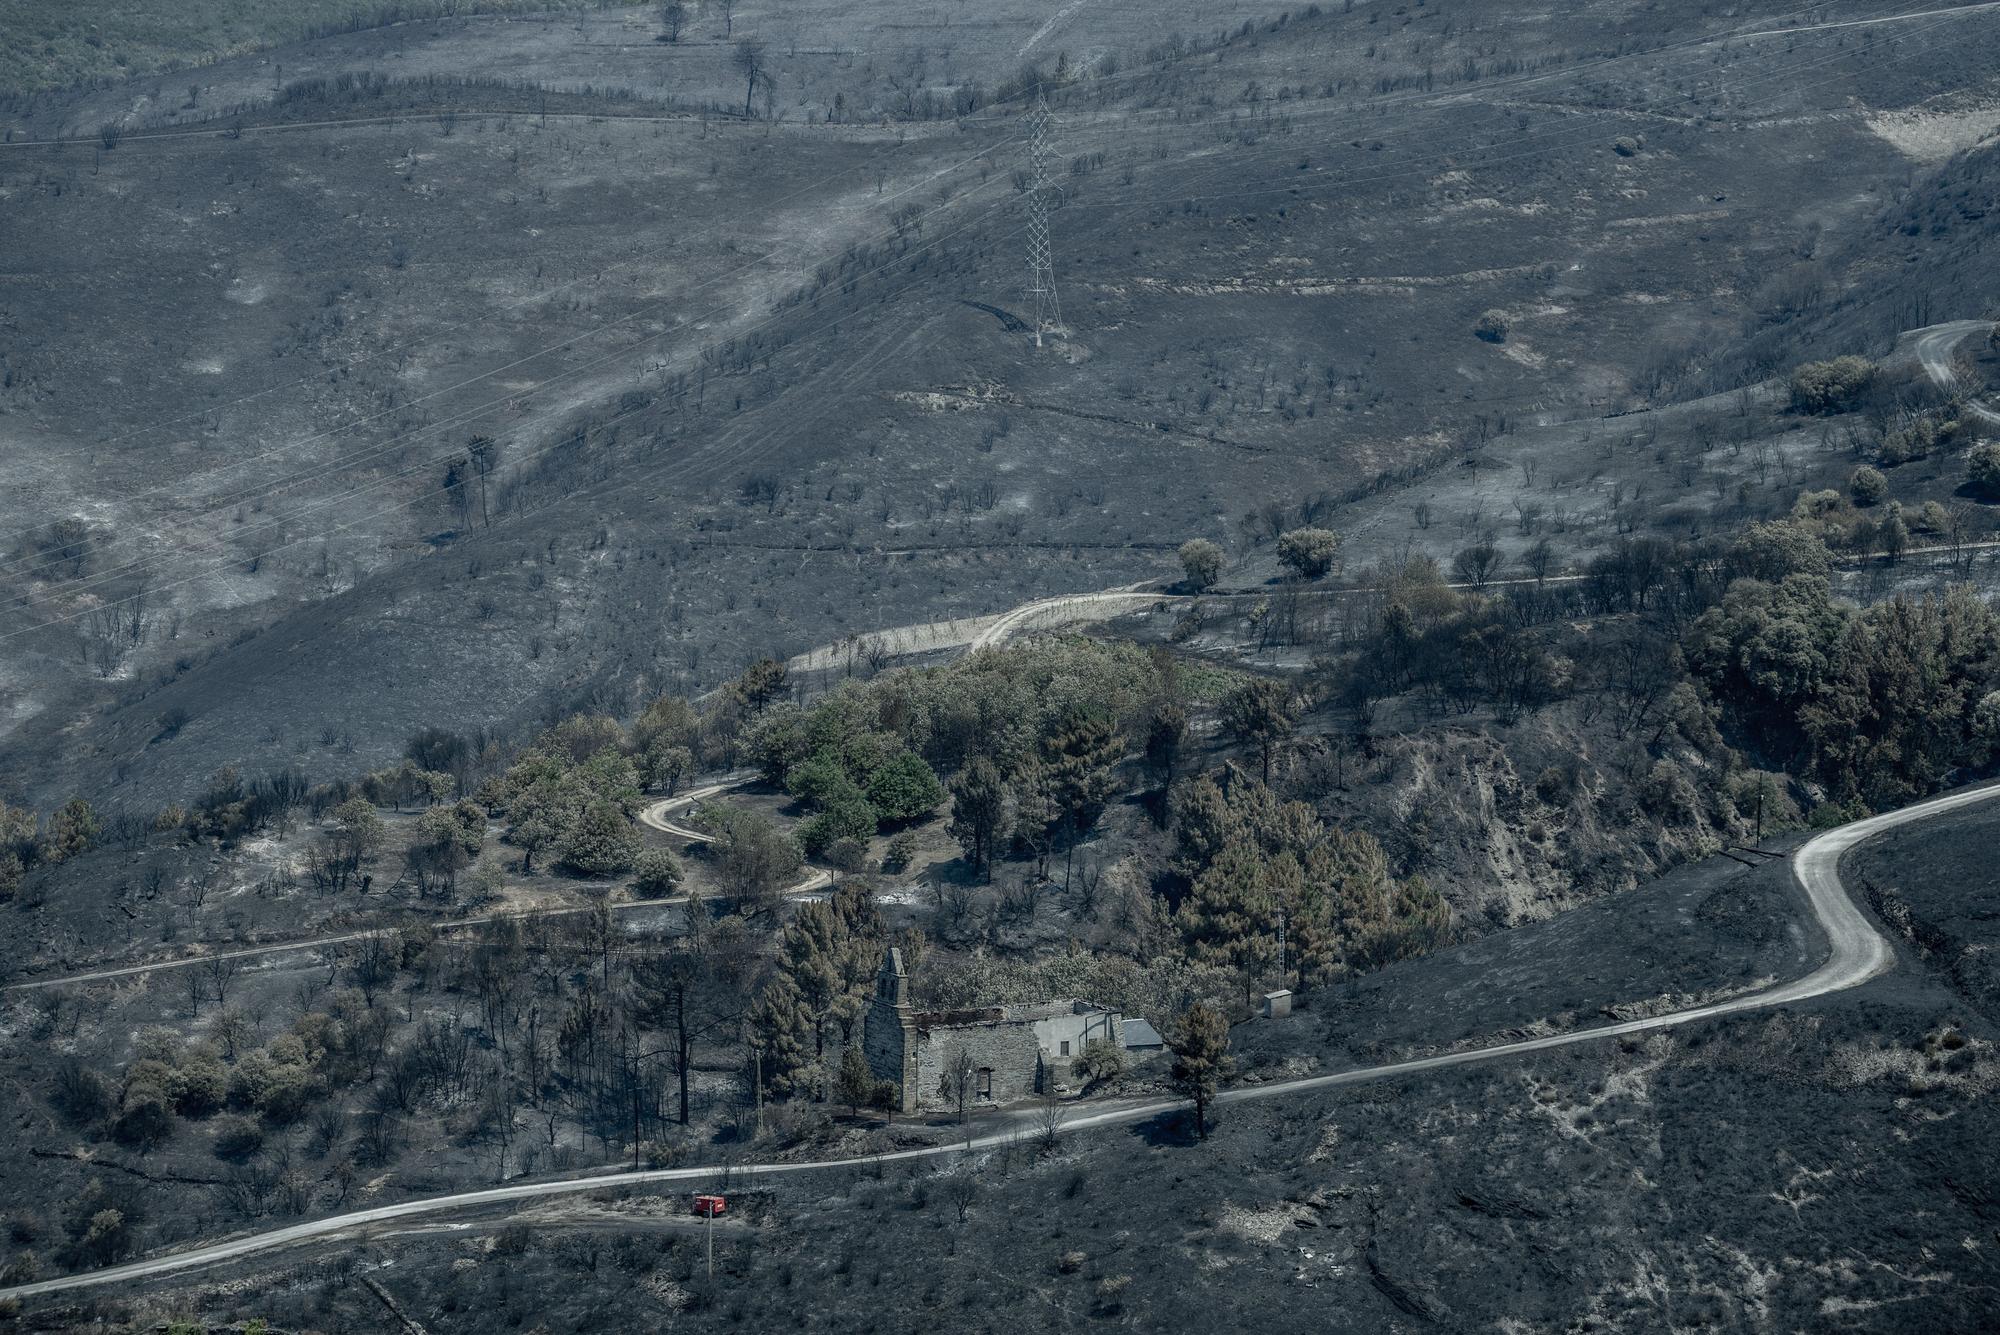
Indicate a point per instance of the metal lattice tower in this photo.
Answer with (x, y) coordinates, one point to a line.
(1045, 310)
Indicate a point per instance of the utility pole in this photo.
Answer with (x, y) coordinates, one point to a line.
(1045, 310)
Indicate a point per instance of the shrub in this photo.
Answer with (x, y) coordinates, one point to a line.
(601, 842)
(1920, 438)
(286, 1094)
(665, 1153)
(1831, 387)
(849, 855)
(1986, 719)
(848, 819)
(1201, 562)
(1492, 327)
(144, 1119)
(1100, 1060)
(904, 789)
(1755, 792)
(237, 1138)
(1867, 486)
(1308, 552)
(199, 1086)
(1982, 469)
(80, 1094)
(902, 852)
(1666, 792)
(659, 874)
(1555, 785)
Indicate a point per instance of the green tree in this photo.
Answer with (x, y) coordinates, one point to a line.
(657, 874)
(1231, 914)
(1831, 386)
(539, 816)
(1201, 563)
(1259, 713)
(978, 810)
(754, 859)
(144, 1118)
(1199, 1040)
(1866, 486)
(1893, 536)
(18, 826)
(668, 721)
(666, 767)
(1166, 734)
(760, 684)
(1077, 760)
(848, 818)
(357, 830)
(902, 851)
(904, 789)
(581, 736)
(826, 957)
(1982, 469)
(1783, 547)
(1101, 1060)
(854, 1084)
(1308, 552)
(71, 830)
(601, 841)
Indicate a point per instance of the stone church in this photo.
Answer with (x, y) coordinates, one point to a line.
(1002, 1053)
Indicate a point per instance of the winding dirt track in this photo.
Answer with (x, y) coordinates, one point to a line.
(1856, 953)
(655, 816)
(1934, 348)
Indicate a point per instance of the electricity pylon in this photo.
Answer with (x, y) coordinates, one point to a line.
(1045, 310)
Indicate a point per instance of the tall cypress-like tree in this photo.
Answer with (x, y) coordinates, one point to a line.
(978, 810)
(1200, 1043)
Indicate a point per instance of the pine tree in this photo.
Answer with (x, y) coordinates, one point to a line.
(600, 841)
(1230, 915)
(855, 1083)
(978, 808)
(1200, 1043)
(783, 1031)
(1259, 714)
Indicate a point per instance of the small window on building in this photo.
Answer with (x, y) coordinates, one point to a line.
(1065, 1047)
(985, 1085)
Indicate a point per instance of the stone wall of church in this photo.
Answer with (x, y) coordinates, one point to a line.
(1008, 1049)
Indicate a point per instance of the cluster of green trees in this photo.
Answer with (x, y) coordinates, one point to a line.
(1306, 553)
(282, 1081)
(1710, 645)
(26, 843)
(1878, 704)
(836, 758)
(572, 794)
(1275, 893)
(825, 964)
(1030, 734)
(1156, 978)
(1832, 386)
(753, 858)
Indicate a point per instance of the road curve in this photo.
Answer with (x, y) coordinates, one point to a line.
(1856, 953)
(1934, 347)
(655, 817)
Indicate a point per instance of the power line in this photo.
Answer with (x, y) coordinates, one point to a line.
(1042, 179)
(1045, 311)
